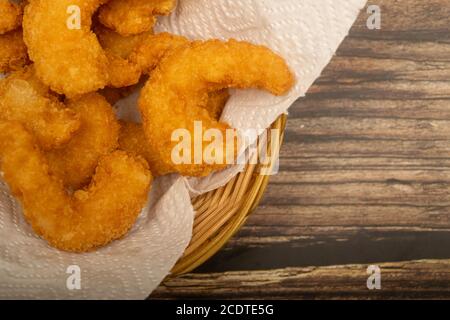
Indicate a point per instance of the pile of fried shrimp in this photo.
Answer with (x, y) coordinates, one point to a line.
(83, 176)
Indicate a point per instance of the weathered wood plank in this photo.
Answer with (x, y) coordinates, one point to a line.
(403, 50)
(411, 20)
(417, 279)
(371, 128)
(379, 108)
(354, 70)
(317, 151)
(389, 89)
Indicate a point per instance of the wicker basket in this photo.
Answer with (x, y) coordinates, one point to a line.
(222, 212)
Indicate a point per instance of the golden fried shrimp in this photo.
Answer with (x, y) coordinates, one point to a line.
(23, 98)
(132, 136)
(10, 16)
(70, 61)
(88, 219)
(216, 103)
(98, 136)
(176, 95)
(129, 17)
(131, 56)
(122, 72)
(148, 53)
(132, 140)
(13, 52)
(118, 44)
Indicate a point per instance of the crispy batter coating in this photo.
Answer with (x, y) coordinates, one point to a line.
(70, 61)
(10, 16)
(122, 72)
(177, 92)
(148, 53)
(132, 56)
(13, 52)
(132, 140)
(25, 99)
(98, 135)
(216, 103)
(88, 219)
(129, 17)
(116, 43)
(132, 136)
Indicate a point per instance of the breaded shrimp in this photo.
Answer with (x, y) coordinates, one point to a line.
(129, 17)
(98, 136)
(132, 140)
(122, 72)
(118, 44)
(25, 99)
(10, 16)
(148, 53)
(13, 52)
(131, 56)
(216, 103)
(28, 75)
(88, 219)
(132, 136)
(70, 61)
(176, 95)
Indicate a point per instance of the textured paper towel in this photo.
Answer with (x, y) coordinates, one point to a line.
(305, 32)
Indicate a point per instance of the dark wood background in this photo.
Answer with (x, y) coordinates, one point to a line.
(365, 176)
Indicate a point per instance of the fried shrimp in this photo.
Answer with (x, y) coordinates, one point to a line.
(98, 135)
(132, 136)
(13, 52)
(88, 219)
(122, 72)
(176, 95)
(23, 98)
(68, 59)
(129, 17)
(132, 140)
(10, 16)
(116, 43)
(216, 103)
(152, 49)
(132, 56)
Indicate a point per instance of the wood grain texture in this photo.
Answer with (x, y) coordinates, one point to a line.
(365, 176)
(416, 279)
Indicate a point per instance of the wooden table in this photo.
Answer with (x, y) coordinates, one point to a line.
(365, 177)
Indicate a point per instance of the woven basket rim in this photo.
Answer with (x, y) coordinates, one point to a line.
(221, 213)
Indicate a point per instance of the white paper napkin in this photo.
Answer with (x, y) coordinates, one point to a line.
(305, 32)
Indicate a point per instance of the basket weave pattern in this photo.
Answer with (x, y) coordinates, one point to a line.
(222, 212)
